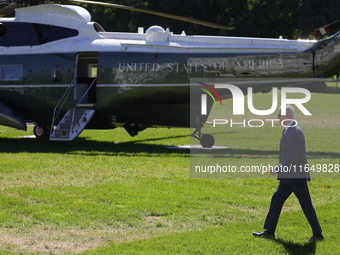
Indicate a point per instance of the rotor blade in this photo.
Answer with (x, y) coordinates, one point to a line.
(195, 21)
(328, 28)
(8, 9)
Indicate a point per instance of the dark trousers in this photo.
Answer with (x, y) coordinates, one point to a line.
(280, 196)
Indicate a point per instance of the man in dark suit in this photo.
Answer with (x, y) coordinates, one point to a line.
(293, 174)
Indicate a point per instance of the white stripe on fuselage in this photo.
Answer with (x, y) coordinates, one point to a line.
(251, 82)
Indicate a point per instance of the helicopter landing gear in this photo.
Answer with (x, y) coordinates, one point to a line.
(206, 140)
(41, 131)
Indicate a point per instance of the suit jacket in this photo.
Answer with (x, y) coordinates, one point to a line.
(293, 159)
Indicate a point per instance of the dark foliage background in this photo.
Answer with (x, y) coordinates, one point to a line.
(255, 18)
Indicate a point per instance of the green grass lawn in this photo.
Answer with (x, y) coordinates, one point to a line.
(108, 193)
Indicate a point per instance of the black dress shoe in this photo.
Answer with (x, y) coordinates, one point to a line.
(264, 234)
(316, 238)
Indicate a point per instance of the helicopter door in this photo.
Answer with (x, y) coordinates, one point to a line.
(86, 73)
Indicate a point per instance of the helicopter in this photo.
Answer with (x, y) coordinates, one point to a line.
(65, 73)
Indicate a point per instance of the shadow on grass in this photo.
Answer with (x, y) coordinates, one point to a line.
(83, 146)
(297, 248)
(333, 89)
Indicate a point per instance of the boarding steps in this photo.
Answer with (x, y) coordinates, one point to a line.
(72, 124)
(76, 119)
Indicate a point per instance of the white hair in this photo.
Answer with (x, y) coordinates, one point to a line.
(290, 111)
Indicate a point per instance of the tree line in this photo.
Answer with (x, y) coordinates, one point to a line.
(253, 18)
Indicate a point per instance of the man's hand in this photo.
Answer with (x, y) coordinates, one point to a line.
(272, 171)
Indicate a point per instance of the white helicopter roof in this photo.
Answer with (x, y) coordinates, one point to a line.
(155, 38)
(59, 15)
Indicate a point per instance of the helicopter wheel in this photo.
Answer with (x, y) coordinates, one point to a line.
(207, 140)
(41, 131)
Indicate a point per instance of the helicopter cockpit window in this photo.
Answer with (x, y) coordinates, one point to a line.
(57, 73)
(30, 34)
(11, 72)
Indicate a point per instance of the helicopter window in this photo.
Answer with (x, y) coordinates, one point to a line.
(92, 68)
(57, 73)
(11, 73)
(28, 34)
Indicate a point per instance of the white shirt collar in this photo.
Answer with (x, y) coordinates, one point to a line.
(289, 125)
